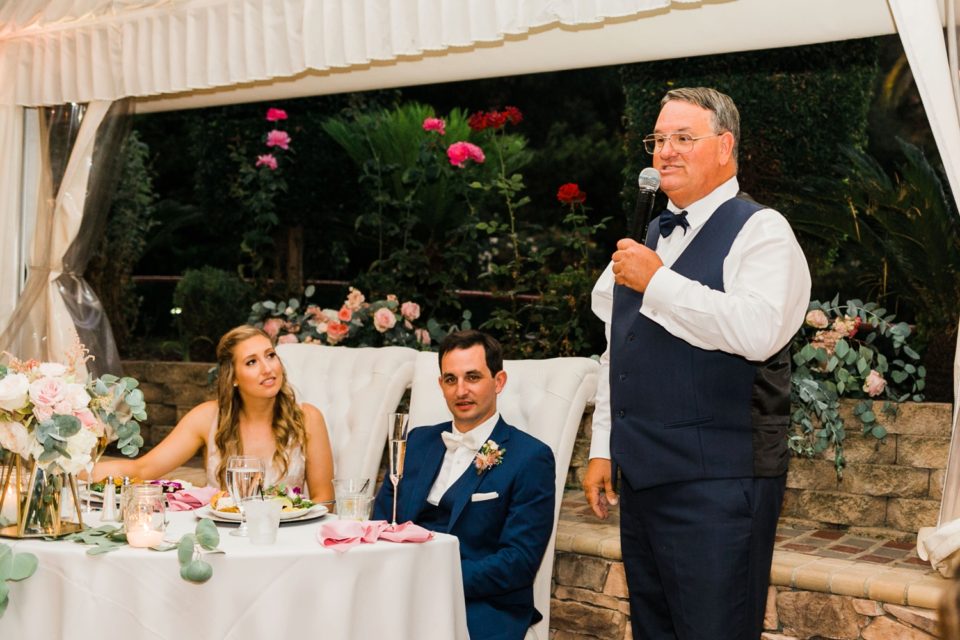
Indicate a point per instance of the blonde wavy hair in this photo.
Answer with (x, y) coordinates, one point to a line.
(289, 426)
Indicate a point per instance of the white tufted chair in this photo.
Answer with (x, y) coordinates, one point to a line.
(545, 398)
(355, 388)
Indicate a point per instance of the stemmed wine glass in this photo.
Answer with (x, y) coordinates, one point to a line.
(397, 430)
(244, 480)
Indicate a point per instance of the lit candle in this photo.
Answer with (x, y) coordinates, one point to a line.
(9, 511)
(144, 537)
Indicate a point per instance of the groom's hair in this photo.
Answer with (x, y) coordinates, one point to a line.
(466, 339)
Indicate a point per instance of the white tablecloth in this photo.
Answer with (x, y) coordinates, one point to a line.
(293, 589)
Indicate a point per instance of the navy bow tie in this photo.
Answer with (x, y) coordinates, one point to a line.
(670, 221)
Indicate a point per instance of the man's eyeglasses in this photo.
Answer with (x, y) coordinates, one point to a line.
(681, 142)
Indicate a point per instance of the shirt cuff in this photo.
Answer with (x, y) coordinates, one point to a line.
(600, 447)
(661, 292)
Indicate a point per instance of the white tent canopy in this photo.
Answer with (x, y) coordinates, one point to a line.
(177, 54)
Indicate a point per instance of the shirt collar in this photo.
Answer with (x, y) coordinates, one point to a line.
(481, 433)
(700, 211)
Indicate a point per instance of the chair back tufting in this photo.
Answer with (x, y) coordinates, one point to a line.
(355, 388)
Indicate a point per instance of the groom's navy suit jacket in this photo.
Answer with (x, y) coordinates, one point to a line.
(502, 538)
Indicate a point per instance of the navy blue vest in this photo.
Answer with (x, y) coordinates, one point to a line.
(684, 413)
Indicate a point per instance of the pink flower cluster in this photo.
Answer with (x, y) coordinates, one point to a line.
(459, 152)
(275, 138)
(826, 339)
(489, 455)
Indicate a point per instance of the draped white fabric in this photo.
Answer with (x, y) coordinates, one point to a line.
(11, 149)
(920, 25)
(52, 52)
(41, 326)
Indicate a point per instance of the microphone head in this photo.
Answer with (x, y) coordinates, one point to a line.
(649, 179)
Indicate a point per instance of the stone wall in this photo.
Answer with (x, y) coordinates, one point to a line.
(890, 488)
(170, 389)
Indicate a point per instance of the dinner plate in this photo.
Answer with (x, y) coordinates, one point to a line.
(298, 515)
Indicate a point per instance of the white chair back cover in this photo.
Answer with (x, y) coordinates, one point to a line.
(545, 398)
(355, 388)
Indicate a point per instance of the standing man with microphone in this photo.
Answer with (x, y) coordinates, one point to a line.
(694, 396)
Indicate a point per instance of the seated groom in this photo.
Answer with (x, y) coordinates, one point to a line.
(484, 481)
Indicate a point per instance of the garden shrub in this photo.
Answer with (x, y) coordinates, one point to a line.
(208, 302)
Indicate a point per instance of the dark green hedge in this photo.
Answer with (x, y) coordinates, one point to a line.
(797, 106)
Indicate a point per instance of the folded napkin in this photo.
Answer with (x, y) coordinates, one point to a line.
(406, 532)
(340, 535)
(190, 499)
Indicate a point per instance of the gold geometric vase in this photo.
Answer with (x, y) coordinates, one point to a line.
(39, 510)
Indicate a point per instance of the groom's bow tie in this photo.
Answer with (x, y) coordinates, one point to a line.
(454, 440)
(670, 221)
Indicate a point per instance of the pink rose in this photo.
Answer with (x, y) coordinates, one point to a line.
(459, 152)
(410, 310)
(847, 326)
(874, 384)
(277, 138)
(316, 314)
(42, 412)
(86, 418)
(272, 326)
(817, 319)
(47, 392)
(435, 124)
(422, 336)
(267, 160)
(287, 338)
(384, 320)
(336, 332)
(354, 299)
(345, 314)
(274, 114)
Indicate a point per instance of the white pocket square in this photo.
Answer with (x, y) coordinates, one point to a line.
(480, 497)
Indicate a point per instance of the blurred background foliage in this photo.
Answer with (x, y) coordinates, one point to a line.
(833, 135)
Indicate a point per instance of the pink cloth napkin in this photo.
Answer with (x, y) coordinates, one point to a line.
(406, 532)
(341, 535)
(190, 499)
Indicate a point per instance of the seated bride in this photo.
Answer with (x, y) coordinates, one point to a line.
(255, 414)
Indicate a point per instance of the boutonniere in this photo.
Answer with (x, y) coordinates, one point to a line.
(489, 455)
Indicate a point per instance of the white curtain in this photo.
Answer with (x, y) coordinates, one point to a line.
(933, 62)
(11, 149)
(41, 326)
(59, 51)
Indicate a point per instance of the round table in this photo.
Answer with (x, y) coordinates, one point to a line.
(293, 589)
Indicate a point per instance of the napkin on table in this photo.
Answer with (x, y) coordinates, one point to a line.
(341, 535)
(190, 499)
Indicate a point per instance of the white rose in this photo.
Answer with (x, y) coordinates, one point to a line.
(79, 446)
(13, 391)
(15, 437)
(51, 369)
(77, 397)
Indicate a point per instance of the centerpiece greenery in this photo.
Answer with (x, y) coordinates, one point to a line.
(856, 350)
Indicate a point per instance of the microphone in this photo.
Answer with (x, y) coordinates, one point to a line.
(649, 182)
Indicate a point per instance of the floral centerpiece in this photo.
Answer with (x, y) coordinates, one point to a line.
(57, 422)
(856, 350)
(356, 322)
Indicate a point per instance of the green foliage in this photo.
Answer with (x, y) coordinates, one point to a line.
(13, 568)
(855, 350)
(191, 548)
(796, 105)
(130, 220)
(419, 215)
(103, 539)
(210, 302)
(902, 228)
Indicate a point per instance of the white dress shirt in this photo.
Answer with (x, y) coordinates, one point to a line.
(457, 461)
(766, 293)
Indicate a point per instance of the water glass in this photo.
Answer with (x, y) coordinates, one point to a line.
(244, 480)
(263, 519)
(354, 497)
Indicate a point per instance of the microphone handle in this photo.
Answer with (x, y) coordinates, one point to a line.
(641, 215)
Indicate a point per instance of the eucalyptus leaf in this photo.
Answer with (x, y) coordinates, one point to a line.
(878, 432)
(196, 571)
(207, 534)
(187, 545)
(24, 564)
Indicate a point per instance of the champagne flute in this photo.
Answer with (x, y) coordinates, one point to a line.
(398, 423)
(244, 479)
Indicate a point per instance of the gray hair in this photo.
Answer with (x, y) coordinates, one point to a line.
(725, 114)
